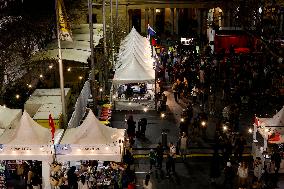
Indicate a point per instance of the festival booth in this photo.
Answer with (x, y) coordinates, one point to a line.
(28, 141)
(91, 141)
(271, 131)
(9, 118)
(134, 75)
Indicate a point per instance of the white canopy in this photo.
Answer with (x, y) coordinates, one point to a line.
(91, 141)
(9, 117)
(135, 63)
(272, 127)
(28, 141)
(78, 50)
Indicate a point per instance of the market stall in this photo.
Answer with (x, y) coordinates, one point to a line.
(271, 131)
(29, 141)
(91, 141)
(89, 149)
(134, 71)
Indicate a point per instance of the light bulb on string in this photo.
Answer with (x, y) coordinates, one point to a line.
(69, 69)
(41, 76)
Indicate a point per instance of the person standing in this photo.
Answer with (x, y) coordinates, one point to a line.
(82, 184)
(257, 169)
(152, 157)
(175, 91)
(147, 184)
(160, 154)
(183, 144)
(215, 167)
(72, 178)
(131, 129)
(243, 175)
(172, 157)
(276, 158)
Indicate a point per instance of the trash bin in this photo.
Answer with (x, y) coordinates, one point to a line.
(164, 139)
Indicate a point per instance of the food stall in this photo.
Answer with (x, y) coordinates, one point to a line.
(90, 148)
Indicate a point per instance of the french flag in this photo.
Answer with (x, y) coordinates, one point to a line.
(151, 31)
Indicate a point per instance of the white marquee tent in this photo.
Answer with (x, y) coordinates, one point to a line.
(135, 63)
(91, 141)
(29, 141)
(9, 118)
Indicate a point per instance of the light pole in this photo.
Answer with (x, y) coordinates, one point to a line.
(93, 85)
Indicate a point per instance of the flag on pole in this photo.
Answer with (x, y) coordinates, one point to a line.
(52, 127)
(64, 25)
(151, 34)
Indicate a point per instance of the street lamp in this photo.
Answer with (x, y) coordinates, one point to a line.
(101, 91)
(145, 109)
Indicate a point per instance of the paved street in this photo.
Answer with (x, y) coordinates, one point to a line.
(195, 172)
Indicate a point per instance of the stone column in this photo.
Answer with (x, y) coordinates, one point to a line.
(154, 17)
(176, 20)
(130, 12)
(172, 20)
(143, 20)
(228, 18)
(199, 22)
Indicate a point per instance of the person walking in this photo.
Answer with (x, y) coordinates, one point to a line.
(147, 184)
(243, 175)
(229, 176)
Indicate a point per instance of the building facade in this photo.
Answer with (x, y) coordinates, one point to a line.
(182, 18)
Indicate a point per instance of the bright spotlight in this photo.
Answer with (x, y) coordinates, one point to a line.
(163, 115)
(250, 130)
(203, 123)
(182, 119)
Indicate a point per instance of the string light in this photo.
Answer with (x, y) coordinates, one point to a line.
(163, 115)
(41, 76)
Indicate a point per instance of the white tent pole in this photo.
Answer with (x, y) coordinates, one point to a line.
(254, 132)
(265, 141)
(45, 175)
